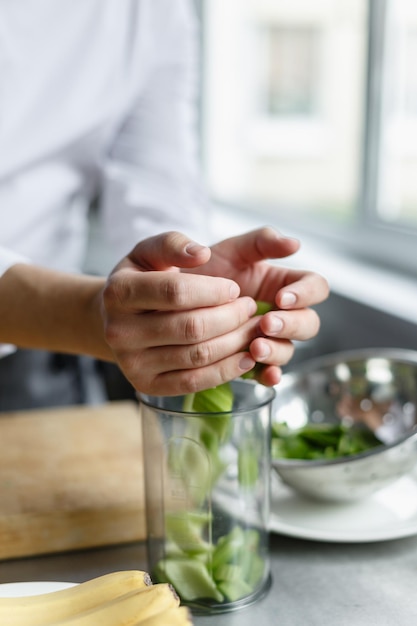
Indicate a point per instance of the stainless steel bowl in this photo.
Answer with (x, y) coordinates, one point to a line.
(374, 387)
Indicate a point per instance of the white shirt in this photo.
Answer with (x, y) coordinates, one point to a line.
(97, 97)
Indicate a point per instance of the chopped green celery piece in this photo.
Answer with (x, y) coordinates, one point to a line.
(256, 571)
(248, 559)
(251, 539)
(228, 547)
(262, 307)
(210, 439)
(214, 428)
(185, 530)
(216, 400)
(235, 589)
(172, 551)
(188, 402)
(248, 471)
(238, 549)
(189, 460)
(190, 579)
(229, 572)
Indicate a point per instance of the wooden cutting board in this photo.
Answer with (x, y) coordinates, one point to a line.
(70, 478)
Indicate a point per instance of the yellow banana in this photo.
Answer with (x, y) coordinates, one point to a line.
(128, 609)
(180, 616)
(44, 609)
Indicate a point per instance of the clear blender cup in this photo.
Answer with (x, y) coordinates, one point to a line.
(207, 489)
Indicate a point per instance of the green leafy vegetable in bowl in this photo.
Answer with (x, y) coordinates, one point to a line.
(321, 441)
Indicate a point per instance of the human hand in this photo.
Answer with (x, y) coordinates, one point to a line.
(290, 292)
(176, 332)
(171, 331)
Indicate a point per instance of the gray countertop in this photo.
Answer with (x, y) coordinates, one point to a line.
(314, 583)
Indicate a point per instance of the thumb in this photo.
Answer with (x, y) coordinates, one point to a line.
(167, 250)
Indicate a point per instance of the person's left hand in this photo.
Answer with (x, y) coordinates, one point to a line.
(290, 292)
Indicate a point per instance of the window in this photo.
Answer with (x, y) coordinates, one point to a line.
(310, 116)
(290, 78)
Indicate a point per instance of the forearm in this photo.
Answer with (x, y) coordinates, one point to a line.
(40, 308)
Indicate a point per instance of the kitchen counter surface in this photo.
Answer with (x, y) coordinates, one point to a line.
(314, 583)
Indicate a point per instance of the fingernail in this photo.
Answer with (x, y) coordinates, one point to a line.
(288, 299)
(275, 324)
(246, 363)
(193, 248)
(264, 351)
(234, 291)
(252, 307)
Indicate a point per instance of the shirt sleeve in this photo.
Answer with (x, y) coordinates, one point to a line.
(7, 259)
(153, 181)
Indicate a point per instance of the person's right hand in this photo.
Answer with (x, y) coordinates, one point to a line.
(173, 332)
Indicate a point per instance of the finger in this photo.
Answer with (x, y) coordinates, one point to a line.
(171, 249)
(276, 352)
(132, 291)
(184, 328)
(301, 289)
(192, 380)
(256, 245)
(298, 324)
(202, 354)
(269, 375)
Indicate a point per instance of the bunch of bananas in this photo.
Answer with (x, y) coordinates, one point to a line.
(126, 598)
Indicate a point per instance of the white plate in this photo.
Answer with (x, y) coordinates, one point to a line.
(16, 590)
(391, 513)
